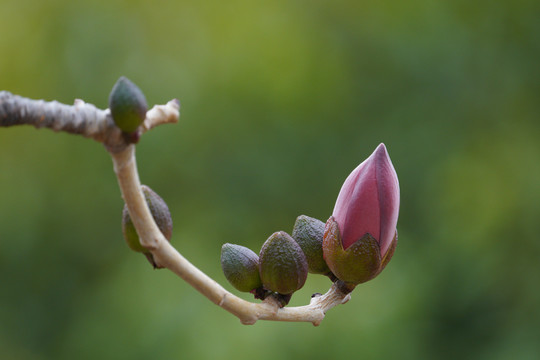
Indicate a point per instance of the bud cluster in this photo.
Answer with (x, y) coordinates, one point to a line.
(354, 245)
(280, 268)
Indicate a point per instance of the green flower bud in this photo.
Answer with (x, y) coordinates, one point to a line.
(160, 213)
(241, 267)
(308, 233)
(128, 105)
(282, 264)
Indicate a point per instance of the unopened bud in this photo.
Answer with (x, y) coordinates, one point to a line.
(160, 213)
(360, 236)
(128, 106)
(241, 267)
(283, 266)
(308, 233)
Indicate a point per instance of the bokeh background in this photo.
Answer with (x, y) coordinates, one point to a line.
(280, 101)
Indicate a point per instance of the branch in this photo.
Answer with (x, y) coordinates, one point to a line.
(80, 118)
(89, 121)
(165, 255)
(162, 114)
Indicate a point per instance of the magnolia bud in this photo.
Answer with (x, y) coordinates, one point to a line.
(241, 267)
(128, 105)
(282, 264)
(308, 233)
(361, 236)
(160, 213)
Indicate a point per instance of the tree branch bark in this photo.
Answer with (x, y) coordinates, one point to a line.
(79, 119)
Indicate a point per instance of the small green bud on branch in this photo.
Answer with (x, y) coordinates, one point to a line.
(308, 233)
(241, 267)
(282, 264)
(128, 107)
(161, 215)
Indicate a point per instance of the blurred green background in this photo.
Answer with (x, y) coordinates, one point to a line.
(280, 101)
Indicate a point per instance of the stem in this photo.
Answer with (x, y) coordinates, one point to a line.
(78, 119)
(165, 255)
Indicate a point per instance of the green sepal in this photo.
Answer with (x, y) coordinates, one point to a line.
(282, 264)
(128, 105)
(361, 261)
(161, 214)
(308, 233)
(241, 267)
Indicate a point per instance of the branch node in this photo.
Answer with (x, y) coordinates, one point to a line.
(319, 319)
(162, 114)
(272, 304)
(248, 321)
(222, 300)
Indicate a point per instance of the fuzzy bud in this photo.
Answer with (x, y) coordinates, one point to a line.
(308, 233)
(160, 213)
(128, 106)
(241, 267)
(282, 264)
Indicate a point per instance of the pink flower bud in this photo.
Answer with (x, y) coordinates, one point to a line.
(369, 201)
(361, 234)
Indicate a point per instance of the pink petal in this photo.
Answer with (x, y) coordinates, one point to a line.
(388, 190)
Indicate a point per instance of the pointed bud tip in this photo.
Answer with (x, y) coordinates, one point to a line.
(381, 149)
(380, 155)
